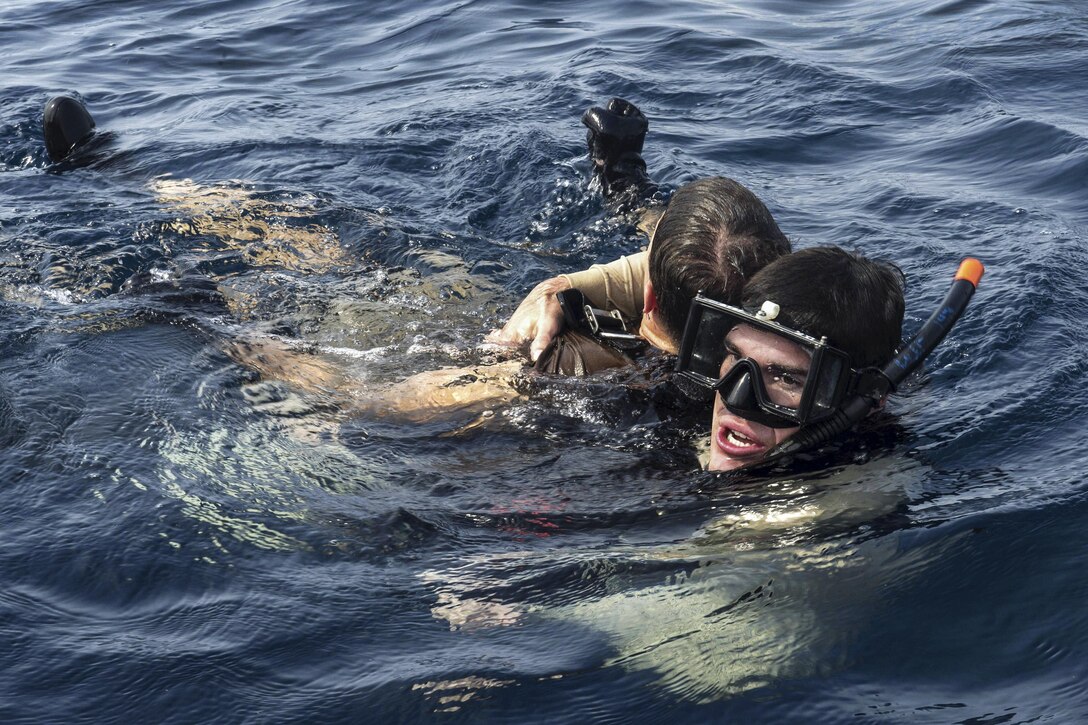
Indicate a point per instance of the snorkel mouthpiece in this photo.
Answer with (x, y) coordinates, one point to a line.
(884, 381)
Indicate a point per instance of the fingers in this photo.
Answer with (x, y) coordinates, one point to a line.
(614, 131)
(548, 323)
(621, 120)
(514, 332)
(545, 333)
(623, 107)
(591, 119)
(547, 329)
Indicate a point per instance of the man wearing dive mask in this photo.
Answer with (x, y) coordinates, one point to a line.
(818, 360)
(812, 327)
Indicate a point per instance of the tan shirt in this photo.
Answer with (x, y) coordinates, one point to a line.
(617, 285)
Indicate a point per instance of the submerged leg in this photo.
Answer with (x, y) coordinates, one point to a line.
(66, 124)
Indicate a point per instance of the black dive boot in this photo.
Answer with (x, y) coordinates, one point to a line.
(65, 124)
(615, 139)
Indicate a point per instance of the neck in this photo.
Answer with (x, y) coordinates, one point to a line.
(651, 331)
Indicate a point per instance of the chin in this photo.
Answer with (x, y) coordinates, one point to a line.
(722, 462)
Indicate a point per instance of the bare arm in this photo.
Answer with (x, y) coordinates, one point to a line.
(434, 394)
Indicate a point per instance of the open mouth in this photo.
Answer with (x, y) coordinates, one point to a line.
(736, 444)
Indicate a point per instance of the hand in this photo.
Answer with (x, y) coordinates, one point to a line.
(537, 319)
(615, 139)
(614, 131)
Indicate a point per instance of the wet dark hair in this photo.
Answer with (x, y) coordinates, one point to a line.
(855, 302)
(714, 234)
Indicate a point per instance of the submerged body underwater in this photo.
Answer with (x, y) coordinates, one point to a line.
(189, 538)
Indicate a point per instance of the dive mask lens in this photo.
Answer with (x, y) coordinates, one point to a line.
(701, 349)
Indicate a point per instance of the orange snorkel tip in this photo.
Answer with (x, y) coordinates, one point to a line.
(971, 270)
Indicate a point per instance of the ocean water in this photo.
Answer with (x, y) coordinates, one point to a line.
(184, 540)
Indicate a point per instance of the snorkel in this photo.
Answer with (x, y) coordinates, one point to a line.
(878, 383)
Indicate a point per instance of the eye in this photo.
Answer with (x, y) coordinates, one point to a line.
(786, 379)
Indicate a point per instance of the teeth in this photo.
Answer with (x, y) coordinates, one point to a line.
(738, 440)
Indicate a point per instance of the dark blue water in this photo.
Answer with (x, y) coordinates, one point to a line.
(183, 542)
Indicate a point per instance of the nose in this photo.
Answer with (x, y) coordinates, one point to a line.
(741, 396)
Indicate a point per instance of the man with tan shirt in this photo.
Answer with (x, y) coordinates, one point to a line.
(713, 235)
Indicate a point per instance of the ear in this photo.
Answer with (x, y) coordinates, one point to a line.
(649, 299)
(649, 220)
(879, 406)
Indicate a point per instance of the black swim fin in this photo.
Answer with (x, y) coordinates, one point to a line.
(66, 124)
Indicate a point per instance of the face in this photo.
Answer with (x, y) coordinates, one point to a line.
(735, 441)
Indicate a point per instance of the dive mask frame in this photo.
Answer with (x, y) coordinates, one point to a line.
(830, 378)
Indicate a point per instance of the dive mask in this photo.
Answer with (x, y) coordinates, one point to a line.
(764, 371)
